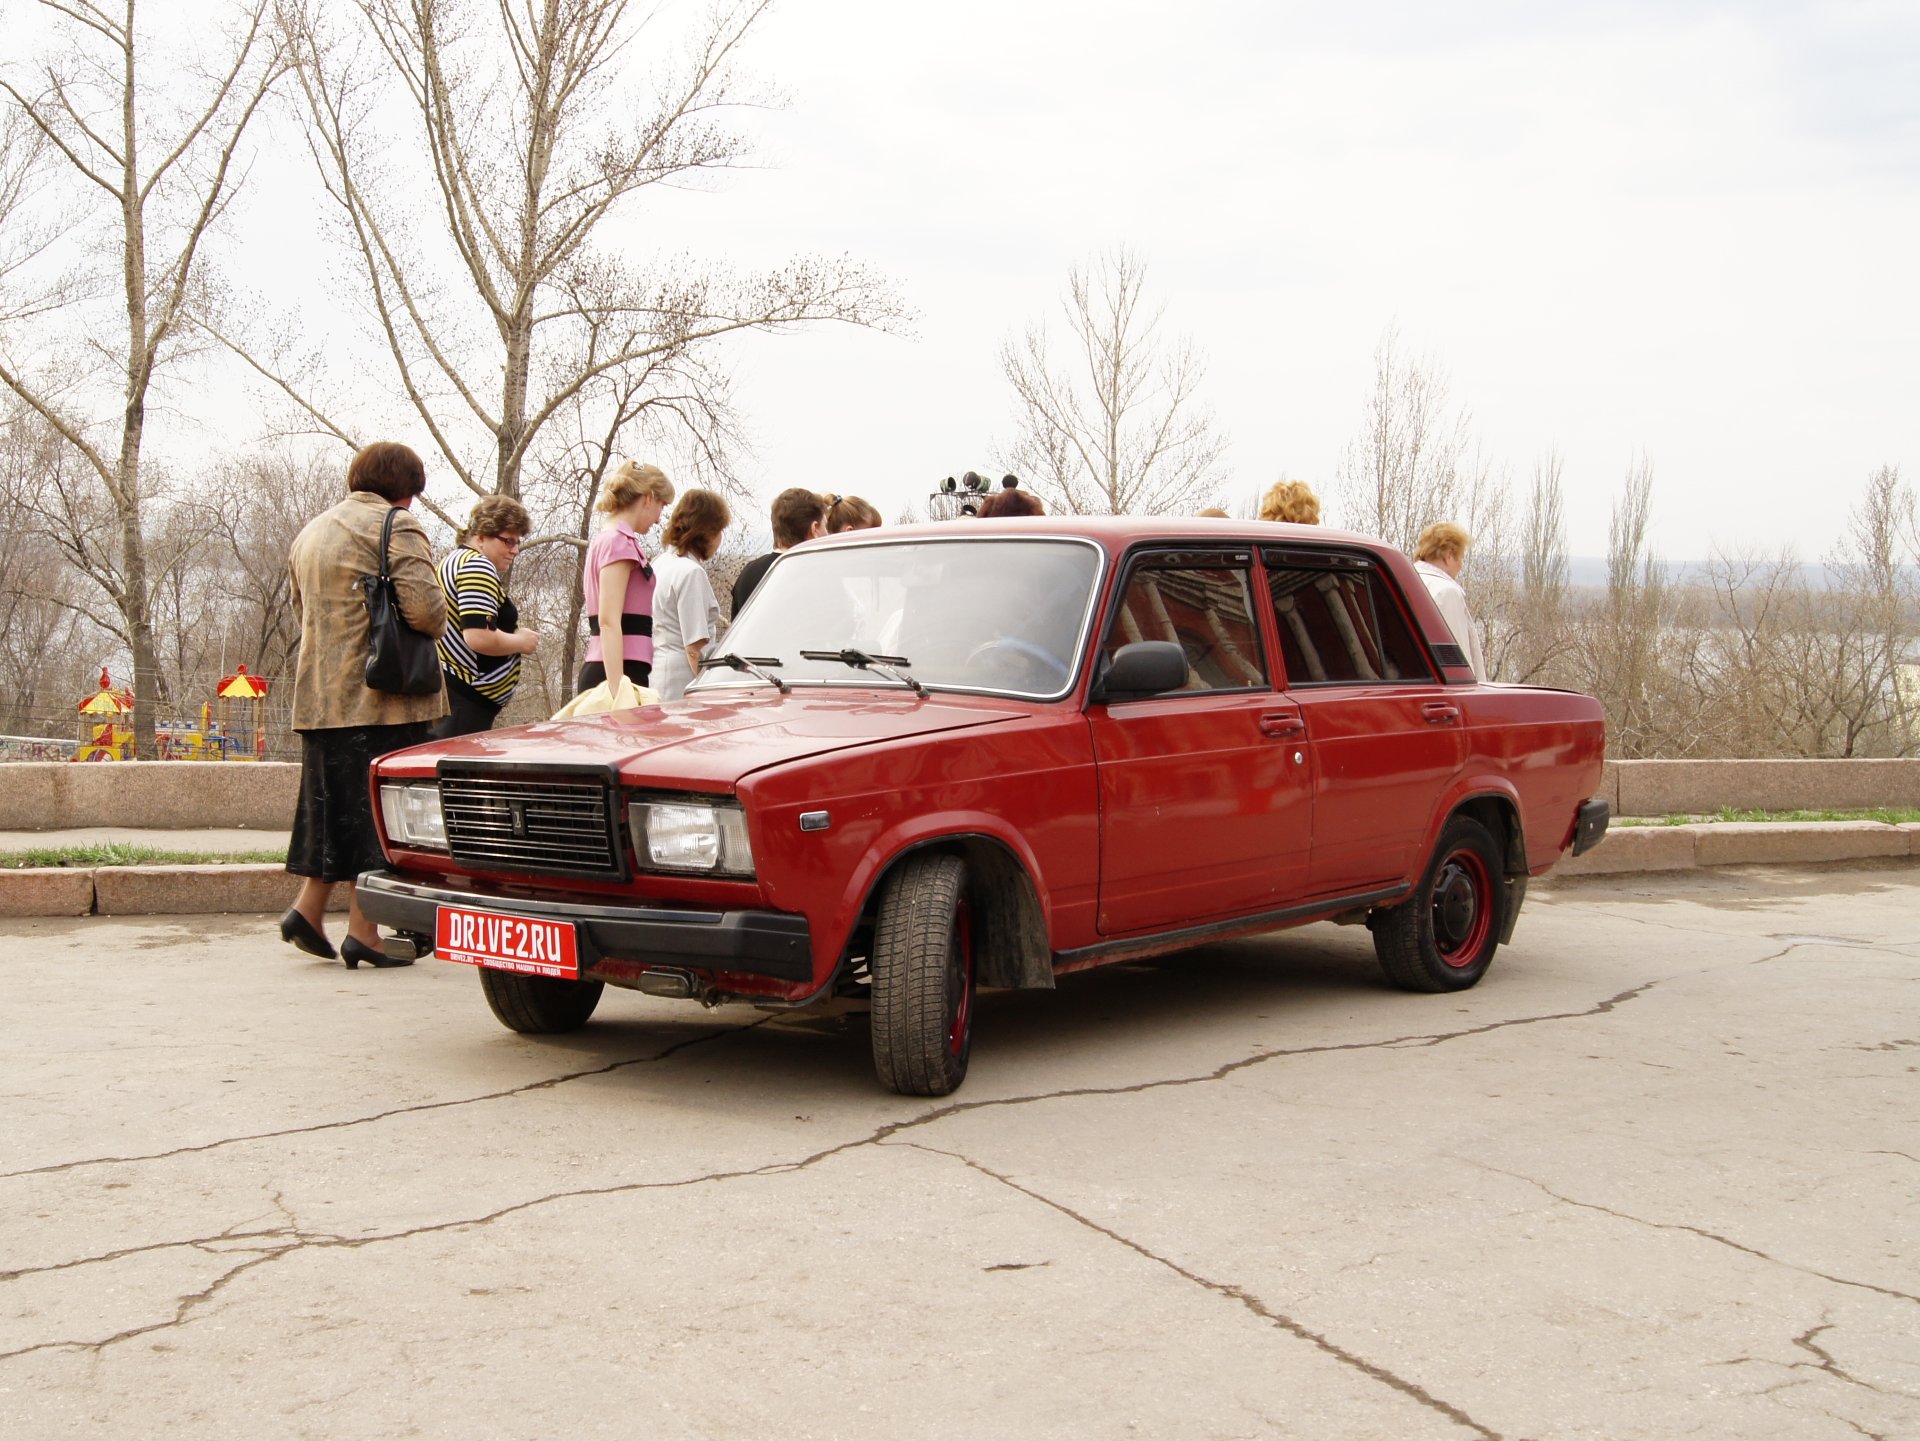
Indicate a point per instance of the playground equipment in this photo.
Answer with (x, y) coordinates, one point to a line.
(243, 690)
(106, 734)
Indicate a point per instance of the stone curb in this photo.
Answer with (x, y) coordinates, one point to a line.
(1628, 849)
(249, 889)
(255, 889)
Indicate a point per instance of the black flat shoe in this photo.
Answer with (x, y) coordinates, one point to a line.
(297, 930)
(353, 953)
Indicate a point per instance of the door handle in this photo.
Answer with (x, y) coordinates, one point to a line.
(1282, 725)
(1439, 713)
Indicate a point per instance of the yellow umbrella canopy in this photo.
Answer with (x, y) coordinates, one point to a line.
(241, 686)
(107, 700)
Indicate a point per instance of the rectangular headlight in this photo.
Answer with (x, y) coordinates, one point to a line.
(695, 836)
(413, 817)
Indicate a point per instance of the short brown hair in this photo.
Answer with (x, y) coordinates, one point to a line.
(696, 523)
(387, 469)
(1442, 538)
(849, 512)
(497, 515)
(1011, 501)
(631, 481)
(794, 512)
(1290, 501)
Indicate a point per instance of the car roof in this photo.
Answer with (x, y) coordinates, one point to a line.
(1113, 532)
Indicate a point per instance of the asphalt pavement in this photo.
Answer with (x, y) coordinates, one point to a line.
(1654, 1178)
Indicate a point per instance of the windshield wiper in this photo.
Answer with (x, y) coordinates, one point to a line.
(890, 665)
(753, 665)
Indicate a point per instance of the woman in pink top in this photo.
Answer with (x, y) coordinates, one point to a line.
(617, 583)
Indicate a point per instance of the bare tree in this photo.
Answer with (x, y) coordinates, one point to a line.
(47, 646)
(1623, 643)
(1875, 577)
(1414, 461)
(256, 505)
(501, 302)
(1119, 428)
(1525, 598)
(151, 162)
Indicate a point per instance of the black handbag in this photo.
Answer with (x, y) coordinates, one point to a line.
(400, 659)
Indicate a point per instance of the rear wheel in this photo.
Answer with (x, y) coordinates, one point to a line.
(539, 1005)
(922, 1016)
(1444, 936)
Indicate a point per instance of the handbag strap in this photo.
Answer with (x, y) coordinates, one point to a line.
(386, 536)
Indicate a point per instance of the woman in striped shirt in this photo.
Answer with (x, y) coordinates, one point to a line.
(481, 647)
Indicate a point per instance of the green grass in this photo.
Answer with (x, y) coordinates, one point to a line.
(1886, 815)
(114, 853)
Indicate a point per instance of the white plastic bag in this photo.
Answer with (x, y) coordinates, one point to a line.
(616, 694)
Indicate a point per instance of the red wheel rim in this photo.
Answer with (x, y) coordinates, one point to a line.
(1462, 908)
(961, 974)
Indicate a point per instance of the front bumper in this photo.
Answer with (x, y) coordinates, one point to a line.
(760, 943)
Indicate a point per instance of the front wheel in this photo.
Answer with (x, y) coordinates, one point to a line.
(1442, 938)
(539, 1005)
(922, 964)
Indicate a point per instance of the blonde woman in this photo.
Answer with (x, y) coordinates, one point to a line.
(686, 613)
(1291, 502)
(1439, 555)
(617, 581)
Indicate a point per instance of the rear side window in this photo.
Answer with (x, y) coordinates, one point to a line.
(1203, 602)
(1340, 622)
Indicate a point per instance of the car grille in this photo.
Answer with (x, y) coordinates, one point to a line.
(559, 825)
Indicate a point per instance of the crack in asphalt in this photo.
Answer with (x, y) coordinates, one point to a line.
(203, 1243)
(1825, 1362)
(1704, 1234)
(1256, 1058)
(304, 1241)
(57, 1167)
(1326, 1345)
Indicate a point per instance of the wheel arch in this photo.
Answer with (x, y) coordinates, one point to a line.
(1499, 812)
(1011, 944)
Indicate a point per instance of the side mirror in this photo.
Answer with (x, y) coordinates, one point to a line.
(1144, 668)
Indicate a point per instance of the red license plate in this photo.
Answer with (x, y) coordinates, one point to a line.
(502, 942)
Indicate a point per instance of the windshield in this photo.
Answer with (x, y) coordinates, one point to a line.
(1008, 616)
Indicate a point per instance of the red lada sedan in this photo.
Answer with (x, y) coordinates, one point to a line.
(990, 753)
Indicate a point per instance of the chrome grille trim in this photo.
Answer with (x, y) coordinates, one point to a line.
(556, 824)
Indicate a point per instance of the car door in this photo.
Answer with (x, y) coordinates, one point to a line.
(1387, 736)
(1205, 805)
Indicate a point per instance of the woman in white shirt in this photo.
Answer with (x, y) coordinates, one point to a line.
(686, 615)
(1438, 555)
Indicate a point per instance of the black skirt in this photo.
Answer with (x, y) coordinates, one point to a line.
(334, 838)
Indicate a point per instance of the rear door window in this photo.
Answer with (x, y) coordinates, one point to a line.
(1340, 622)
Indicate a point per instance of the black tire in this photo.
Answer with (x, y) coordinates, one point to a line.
(539, 1005)
(1443, 936)
(922, 963)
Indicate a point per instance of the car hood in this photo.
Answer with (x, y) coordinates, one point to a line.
(707, 743)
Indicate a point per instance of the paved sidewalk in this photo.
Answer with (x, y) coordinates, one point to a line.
(1653, 1179)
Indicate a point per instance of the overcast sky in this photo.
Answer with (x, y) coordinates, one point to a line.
(1678, 227)
(1681, 227)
